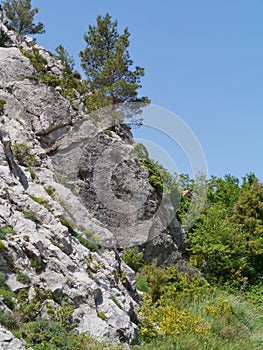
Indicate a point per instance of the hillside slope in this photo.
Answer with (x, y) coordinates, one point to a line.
(59, 234)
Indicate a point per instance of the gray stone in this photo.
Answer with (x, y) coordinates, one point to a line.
(92, 179)
(9, 342)
(13, 65)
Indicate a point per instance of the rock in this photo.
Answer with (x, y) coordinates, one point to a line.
(9, 342)
(14, 65)
(115, 187)
(87, 195)
(49, 111)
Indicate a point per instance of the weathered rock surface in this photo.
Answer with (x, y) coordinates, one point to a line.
(14, 65)
(91, 178)
(9, 342)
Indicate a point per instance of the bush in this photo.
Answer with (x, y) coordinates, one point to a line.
(30, 215)
(23, 155)
(5, 41)
(133, 258)
(22, 277)
(49, 79)
(51, 191)
(41, 201)
(38, 266)
(7, 296)
(7, 230)
(141, 284)
(2, 278)
(102, 316)
(36, 59)
(88, 244)
(2, 245)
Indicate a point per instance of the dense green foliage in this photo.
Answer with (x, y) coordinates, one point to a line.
(226, 242)
(133, 258)
(21, 16)
(108, 66)
(5, 40)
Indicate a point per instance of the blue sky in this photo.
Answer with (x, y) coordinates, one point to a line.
(203, 62)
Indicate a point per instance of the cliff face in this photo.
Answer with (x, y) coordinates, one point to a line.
(65, 181)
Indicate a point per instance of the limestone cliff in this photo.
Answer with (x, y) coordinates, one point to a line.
(72, 176)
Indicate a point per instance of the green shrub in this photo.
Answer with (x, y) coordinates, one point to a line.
(133, 258)
(7, 230)
(2, 245)
(40, 200)
(9, 320)
(50, 79)
(56, 244)
(102, 315)
(88, 244)
(69, 224)
(141, 284)
(22, 277)
(7, 296)
(2, 236)
(38, 266)
(85, 242)
(140, 151)
(36, 59)
(29, 308)
(154, 176)
(2, 277)
(117, 303)
(51, 191)
(5, 40)
(30, 215)
(23, 154)
(43, 334)
(108, 133)
(32, 173)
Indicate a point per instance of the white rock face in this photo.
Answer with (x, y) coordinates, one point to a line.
(14, 65)
(49, 219)
(9, 342)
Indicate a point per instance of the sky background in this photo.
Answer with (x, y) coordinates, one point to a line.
(203, 61)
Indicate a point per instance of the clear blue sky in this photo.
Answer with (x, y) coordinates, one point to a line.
(203, 61)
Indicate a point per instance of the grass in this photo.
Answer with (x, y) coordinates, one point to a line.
(102, 316)
(38, 266)
(41, 201)
(30, 215)
(7, 230)
(85, 242)
(237, 327)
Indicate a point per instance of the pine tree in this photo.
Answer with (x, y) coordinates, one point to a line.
(108, 66)
(21, 16)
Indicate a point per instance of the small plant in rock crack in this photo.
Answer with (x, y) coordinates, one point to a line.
(22, 277)
(23, 154)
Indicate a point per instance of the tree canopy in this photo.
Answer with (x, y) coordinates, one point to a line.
(108, 65)
(21, 15)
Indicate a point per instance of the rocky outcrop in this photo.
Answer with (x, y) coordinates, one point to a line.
(14, 65)
(85, 184)
(8, 341)
(115, 188)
